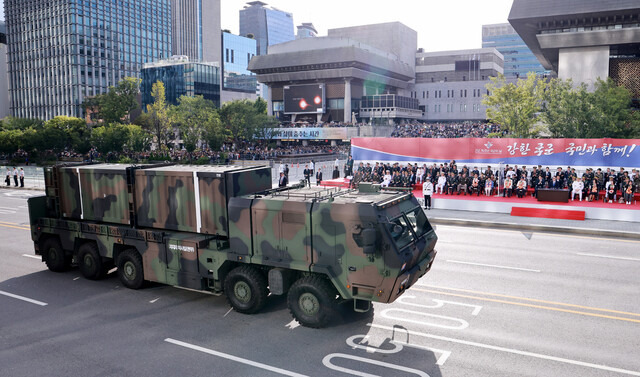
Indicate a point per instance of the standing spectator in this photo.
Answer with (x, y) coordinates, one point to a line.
(427, 191)
(21, 177)
(15, 176)
(319, 177)
(283, 180)
(348, 167)
(336, 172)
(8, 179)
(307, 175)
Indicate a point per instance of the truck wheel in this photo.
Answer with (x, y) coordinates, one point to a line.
(54, 256)
(130, 269)
(90, 262)
(246, 289)
(312, 301)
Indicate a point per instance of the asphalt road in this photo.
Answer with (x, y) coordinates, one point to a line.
(496, 303)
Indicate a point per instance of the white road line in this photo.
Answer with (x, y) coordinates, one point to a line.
(493, 265)
(234, 358)
(608, 256)
(32, 256)
(154, 300)
(513, 351)
(23, 298)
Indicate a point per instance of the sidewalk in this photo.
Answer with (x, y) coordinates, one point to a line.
(602, 228)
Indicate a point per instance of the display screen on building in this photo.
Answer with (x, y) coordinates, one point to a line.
(304, 99)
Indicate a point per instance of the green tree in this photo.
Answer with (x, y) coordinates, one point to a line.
(515, 105)
(246, 120)
(11, 123)
(70, 133)
(194, 116)
(567, 109)
(110, 138)
(613, 116)
(159, 121)
(117, 103)
(139, 139)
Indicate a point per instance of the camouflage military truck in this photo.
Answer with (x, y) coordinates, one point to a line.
(224, 229)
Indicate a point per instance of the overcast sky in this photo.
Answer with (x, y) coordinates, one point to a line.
(441, 24)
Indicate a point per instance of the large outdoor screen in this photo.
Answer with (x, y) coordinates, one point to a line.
(304, 99)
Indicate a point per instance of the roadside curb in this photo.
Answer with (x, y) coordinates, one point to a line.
(21, 188)
(536, 228)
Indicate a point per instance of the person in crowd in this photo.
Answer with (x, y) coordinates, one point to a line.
(348, 167)
(463, 184)
(307, 175)
(593, 190)
(610, 189)
(452, 183)
(336, 172)
(283, 181)
(396, 180)
(577, 187)
(21, 177)
(318, 176)
(521, 187)
(508, 187)
(488, 186)
(386, 179)
(15, 176)
(286, 171)
(628, 191)
(427, 191)
(475, 184)
(8, 178)
(442, 182)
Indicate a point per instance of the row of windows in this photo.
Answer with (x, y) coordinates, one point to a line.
(450, 108)
(450, 93)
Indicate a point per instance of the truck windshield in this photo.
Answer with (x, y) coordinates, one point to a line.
(419, 222)
(399, 230)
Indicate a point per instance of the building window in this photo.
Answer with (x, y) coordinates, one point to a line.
(226, 59)
(427, 94)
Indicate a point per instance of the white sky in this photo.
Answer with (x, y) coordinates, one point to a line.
(441, 24)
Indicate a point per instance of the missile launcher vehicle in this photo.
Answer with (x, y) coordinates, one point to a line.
(224, 229)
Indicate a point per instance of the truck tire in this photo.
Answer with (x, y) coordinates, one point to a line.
(90, 262)
(54, 256)
(312, 301)
(130, 269)
(246, 289)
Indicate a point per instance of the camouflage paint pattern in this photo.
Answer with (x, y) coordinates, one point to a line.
(309, 230)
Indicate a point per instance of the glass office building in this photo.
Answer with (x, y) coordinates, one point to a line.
(269, 26)
(237, 52)
(518, 58)
(62, 51)
(181, 78)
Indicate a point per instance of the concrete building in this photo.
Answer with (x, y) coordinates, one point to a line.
(518, 58)
(61, 51)
(450, 84)
(237, 81)
(4, 79)
(340, 72)
(181, 77)
(267, 25)
(583, 40)
(195, 29)
(306, 30)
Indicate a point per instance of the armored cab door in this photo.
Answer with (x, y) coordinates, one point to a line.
(182, 263)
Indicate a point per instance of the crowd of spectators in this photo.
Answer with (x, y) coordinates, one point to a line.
(449, 179)
(447, 130)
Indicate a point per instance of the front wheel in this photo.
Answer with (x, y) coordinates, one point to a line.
(312, 301)
(246, 289)
(130, 269)
(54, 256)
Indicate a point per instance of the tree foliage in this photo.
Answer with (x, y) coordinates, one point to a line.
(159, 122)
(110, 138)
(515, 105)
(245, 119)
(197, 119)
(117, 103)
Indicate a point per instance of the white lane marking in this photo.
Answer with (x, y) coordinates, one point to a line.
(513, 351)
(493, 265)
(439, 303)
(463, 324)
(351, 342)
(234, 358)
(227, 313)
(76, 278)
(32, 256)
(23, 298)
(154, 300)
(327, 363)
(608, 256)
